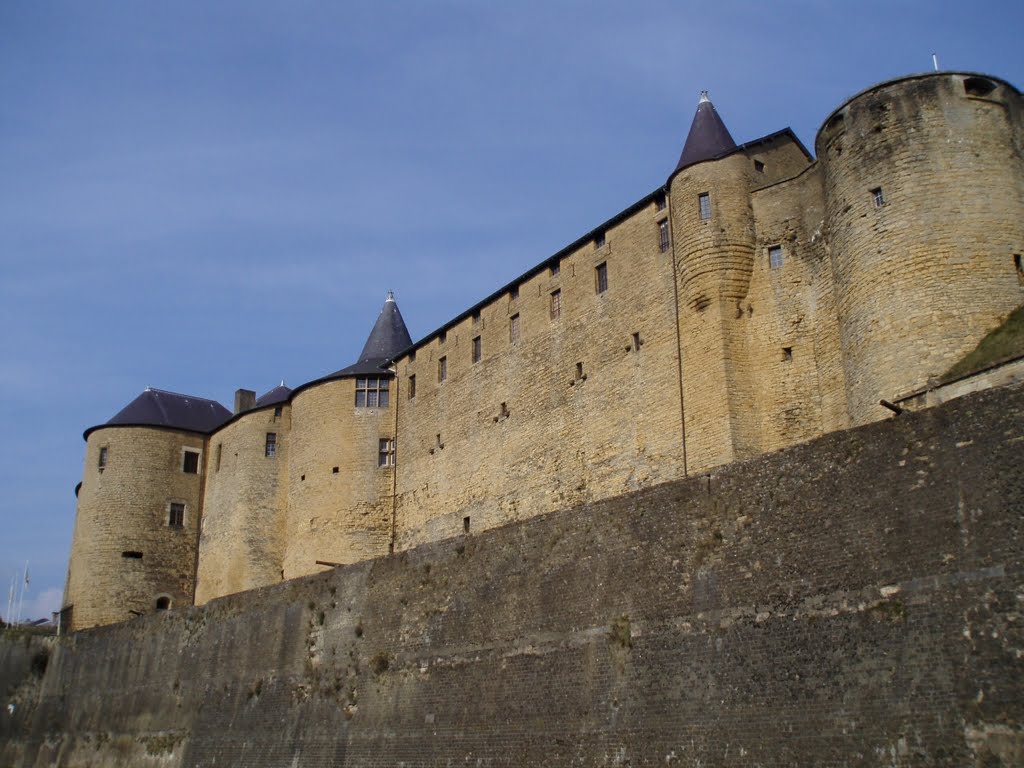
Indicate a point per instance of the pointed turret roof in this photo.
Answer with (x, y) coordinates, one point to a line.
(278, 394)
(158, 408)
(708, 137)
(388, 337)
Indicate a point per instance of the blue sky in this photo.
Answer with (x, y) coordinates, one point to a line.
(204, 196)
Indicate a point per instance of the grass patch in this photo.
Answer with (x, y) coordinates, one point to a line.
(1005, 342)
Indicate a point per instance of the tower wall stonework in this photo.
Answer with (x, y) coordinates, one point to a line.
(243, 535)
(125, 509)
(923, 273)
(339, 499)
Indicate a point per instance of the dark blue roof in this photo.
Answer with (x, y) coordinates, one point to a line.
(157, 408)
(278, 394)
(388, 337)
(708, 137)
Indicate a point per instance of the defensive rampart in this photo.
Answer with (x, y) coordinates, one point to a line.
(855, 600)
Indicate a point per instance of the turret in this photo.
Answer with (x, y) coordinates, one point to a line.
(139, 509)
(713, 237)
(924, 206)
(341, 461)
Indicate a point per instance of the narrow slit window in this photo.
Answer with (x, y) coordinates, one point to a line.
(663, 241)
(102, 463)
(513, 294)
(704, 205)
(442, 369)
(270, 449)
(555, 269)
(513, 329)
(636, 342)
(220, 452)
(477, 349)
(599, 240)
(412, 386)
(774, 256)
(442, 337)
(556, 304)
(579, 371)
(465, 525)
(601, 277)
(878, 197)
(659, 203)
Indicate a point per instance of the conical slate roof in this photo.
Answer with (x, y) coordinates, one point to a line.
(708, 137)
(278, 394)
(388, 337)
(158, 408)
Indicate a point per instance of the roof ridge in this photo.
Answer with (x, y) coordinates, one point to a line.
(181, 394)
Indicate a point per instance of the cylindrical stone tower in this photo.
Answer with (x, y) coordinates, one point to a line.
(924, 206)
(713, 237)
(139, 510)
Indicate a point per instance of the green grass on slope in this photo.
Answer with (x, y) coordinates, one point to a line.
(1004, 342)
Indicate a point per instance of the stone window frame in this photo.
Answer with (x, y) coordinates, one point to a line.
(176, 514)
(104, 456)
(704, 206)
(385, 452)
(664, 241)
(556, 303)
(270, 446)
(375, 391)
(442, 369)
(878, 196)
(601, 278)
(183, 463)
(514, 329)
(775, 257)
(412, 385)
(477, 349)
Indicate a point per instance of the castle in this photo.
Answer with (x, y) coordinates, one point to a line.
(759, 298)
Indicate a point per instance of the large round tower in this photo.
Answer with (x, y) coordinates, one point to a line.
(924, 217)
(713, 237)
(242, 542)
(139, 510)
(342, 455)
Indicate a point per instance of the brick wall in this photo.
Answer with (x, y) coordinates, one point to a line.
(853, 600)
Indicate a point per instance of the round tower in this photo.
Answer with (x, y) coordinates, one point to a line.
(242, 542)
(924, 216)
(713, 237)
(139, 510)
(342, 455)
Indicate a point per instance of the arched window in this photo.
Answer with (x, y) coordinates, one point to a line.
(163, 603)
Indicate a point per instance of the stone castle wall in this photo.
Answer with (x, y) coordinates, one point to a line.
(124, 554)
(852, 600)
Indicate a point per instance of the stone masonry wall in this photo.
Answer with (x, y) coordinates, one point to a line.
(569, 401)
(245, 507)
(124, 508)
(855, 600)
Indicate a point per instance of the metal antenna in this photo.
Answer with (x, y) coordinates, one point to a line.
(935, 61)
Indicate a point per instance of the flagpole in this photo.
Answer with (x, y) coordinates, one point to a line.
(10, 597)
(21, 600)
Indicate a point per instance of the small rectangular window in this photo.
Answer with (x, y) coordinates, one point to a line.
(220, 451)
(759, 166)
(372, 392)
(774, 256)
(477, 349)
(663, 235)
(878, 197)
(190, 462)
(278, 411)
(442, 369)
(601, 277)
(659, 203)
(412, 356)
(176, 515)
(103, 457)
(476, 317)
(513, 294)
(513, 329)
(704, 204)
(442, 337)
(270, 451)
(556, 304)
(412, 386)
(386, 452)
(555, 269)
(599, 240)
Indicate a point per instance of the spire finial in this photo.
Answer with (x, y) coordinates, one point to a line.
(703, 97)
(391, 296)
(282, 382)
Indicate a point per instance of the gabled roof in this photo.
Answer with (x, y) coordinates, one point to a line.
(388, 337)
(278, 394)
(159, 408)
(708, 137)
